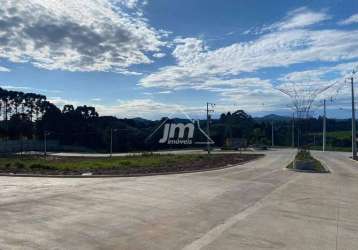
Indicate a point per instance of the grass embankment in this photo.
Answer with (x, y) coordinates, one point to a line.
(336, 141)
(305, 162)
(330, 148)
(129, 165)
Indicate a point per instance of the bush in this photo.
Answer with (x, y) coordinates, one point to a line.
(19, 165)
(41, 167)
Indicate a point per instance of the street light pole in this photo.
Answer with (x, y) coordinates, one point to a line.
(354, 135)
(272, 135)
(111, 142)
(324, 126)
(111, 146)
(45, 143)
(293, 129)
(208, 124)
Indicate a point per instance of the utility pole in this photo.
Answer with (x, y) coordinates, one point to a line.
(354, 135)
(45, 143)
(22, 144)
(293, 129)
(324, 126)
(111, 142)
(208, 111)
(111, 146)
(272, 135)
(298, 137)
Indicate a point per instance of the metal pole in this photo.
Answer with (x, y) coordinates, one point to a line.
(208, 124)
(208, 127)
(22, 144)
(354, 135)
(272, 135)
(298, 137)
(293, 129)
(111, 146)
(324, 126)
(45, 144)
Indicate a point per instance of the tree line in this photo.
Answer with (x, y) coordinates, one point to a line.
(32, 116)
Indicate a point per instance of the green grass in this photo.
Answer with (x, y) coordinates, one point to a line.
(74, 163)
(331, 148)
(150, 163)
(336, 141)
(339, 135)
(305, 162)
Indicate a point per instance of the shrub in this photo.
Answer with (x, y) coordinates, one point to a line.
(19, 165)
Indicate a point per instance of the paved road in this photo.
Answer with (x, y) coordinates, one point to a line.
(258, 205)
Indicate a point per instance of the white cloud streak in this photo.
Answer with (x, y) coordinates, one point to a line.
(278, 49)
(4, 69)
(299, 18)
(159, 55)
(27, 89)
(351, 20)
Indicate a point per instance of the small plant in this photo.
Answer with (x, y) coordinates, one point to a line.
(19, 165)
(38, 166)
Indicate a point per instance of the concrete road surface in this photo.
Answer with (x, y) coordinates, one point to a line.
(259, 205)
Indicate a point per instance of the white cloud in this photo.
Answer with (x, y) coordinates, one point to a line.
(96, 99)
(60, 101)
(188, 50)
(151, 109)
(28, 89)
(79, 35)
(159, 55)
(352, 19)
(299, 18)
(196, 65)
(321, 75)
(289, 42)
(127, 3)
(250, 94)
(165, 92)
(16, 88)
(146, 108)
(4, 69)
(316, 80)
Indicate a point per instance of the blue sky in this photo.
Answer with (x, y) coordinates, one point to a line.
(148, 58)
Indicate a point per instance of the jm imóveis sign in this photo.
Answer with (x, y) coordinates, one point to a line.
(181, 133)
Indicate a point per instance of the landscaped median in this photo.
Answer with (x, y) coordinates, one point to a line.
(148, 164)
(304, 162)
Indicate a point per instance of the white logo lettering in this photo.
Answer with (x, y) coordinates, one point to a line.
(175, 133)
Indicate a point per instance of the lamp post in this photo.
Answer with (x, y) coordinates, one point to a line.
(354, 134)
(272, 135)
(293, 130)
(208, 117)
(111, 142)
(324, 127)
(45, 143)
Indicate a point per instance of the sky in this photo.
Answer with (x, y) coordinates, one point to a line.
(151, 58)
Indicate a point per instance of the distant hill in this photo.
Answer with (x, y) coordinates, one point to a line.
(273, 117)
(140, 119)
